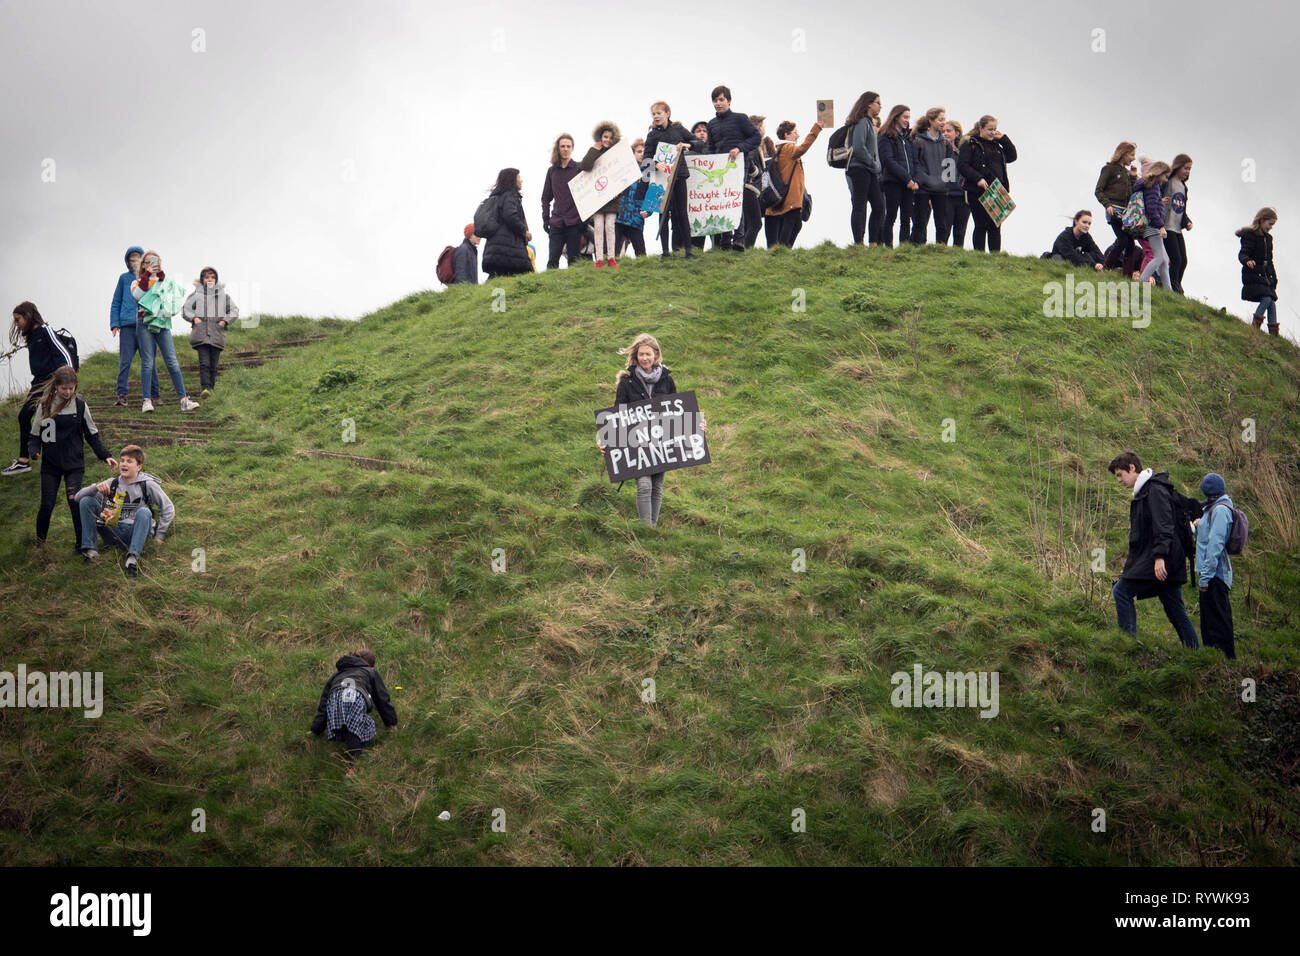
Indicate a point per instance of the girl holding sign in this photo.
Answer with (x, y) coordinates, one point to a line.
(645, 377)
(984, 158)
(664, 129)
(605, 134)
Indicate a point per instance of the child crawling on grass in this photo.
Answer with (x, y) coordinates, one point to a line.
(346, 702)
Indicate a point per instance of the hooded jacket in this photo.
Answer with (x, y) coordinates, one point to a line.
(464, 263)
(866, 146)
(1212, 533)
(45, 353)
(985, 159)
(1152, 533)
(365, 679)
(213, 306)
(1261, 280)
(931, 151)
(145, 492)
(589, 162)
(66, 451)
(632, 390)
(123, 310)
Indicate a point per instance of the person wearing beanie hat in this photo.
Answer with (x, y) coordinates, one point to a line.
(1214, 567)
(210, 311)
(464, 259)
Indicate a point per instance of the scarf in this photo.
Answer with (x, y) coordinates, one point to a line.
(649, 378)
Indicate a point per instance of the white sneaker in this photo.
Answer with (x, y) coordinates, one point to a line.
(188, 404)
(147, 406)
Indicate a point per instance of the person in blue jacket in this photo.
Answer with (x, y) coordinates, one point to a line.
(1214, 567)
(731, 133)
(45, 354)
(124, 324)
(898, 156)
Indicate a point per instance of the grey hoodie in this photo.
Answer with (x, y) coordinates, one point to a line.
(136, 491)
(866, 154)
(210, 305)
(931, 151)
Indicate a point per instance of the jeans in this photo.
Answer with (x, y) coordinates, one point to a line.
(1177, 250)
(1171, 598)
(129, 535)
(649, 495)
(128, 343)
(1159, 260)
(1267, 306)
(922, 203)
(1216, 618)
(898, 203)
(209, 356)
(566, 239)
(150, 344)
(50, 480)
(864, 186)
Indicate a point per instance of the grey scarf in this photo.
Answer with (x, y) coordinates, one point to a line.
(649, 378)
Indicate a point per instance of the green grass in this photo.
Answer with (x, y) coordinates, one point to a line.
(522, 690)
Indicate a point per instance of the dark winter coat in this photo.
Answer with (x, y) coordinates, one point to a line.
(45, 353)
(507, 249)
(1151, 202)
(1153, 533)
(1114, 186)
(732, 130)
(985, 159)
(673, 133)
(632, 390)
(1260, 281)
(464, 263)
(898, 156)
(1079, 250)
(72, 424)
(213, 306)
(367, 680)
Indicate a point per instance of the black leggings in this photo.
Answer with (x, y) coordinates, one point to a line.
(864, 186)
(209, 357)
(50, 479)
(624, 234)
(676, 215)
(1121, 248)
(25, 416)
(1177, 250)
(353, 743)
(898, 204)
(921, 206)
(958, 216)
(985, 229)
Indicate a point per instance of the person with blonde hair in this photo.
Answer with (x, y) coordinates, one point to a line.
(1150, 184)
(1114, 187)
(1258, 274)
(644, 378)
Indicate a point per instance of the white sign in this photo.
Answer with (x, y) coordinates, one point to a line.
(715, 193)
(614, 171)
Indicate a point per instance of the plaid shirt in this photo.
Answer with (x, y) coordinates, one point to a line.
(346, 709)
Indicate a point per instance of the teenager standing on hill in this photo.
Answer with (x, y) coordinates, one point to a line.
(59, 426)
(663, 129)
(210, 311)
(701, 131)
(1150, 183)
(559, 215)
(507, 243)
(898, 155)
(863, 171)
(932, 151)
(45, 354)
(605, 135)
(644, 378)
(983, 159)
(1174, 196)
(784, 221)
(158, 298)
(731, 133)
(124, 322)
(350, 694)
(1157, 558)
(629, 225)
(1258, 275)
(1114, 187)
(958, 209)
(751, 220)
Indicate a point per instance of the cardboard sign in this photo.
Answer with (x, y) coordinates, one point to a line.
(826, 113)
(652, 436)
(656, 190)
(614, 171)
(715, 193)
(997, 202)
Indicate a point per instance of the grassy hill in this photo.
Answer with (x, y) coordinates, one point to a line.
(522, 690)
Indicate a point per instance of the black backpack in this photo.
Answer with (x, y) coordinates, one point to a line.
(1186, 510)
(68, 342)
(486, 217)
(774, 189)
(838, 150)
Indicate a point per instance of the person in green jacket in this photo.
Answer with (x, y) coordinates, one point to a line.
(158, 298)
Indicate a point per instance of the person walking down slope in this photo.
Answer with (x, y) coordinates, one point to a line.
(1150, 183)
(1214, 567)
(1157, 559)
(45, 355)
(210, 311)
(508, 235)
(1114, 187)
(1258, 275)
(983, 159)
(158, 298)
(124, 322)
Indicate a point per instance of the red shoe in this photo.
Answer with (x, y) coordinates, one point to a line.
(350, 773)
(611, 263)
(599, 264)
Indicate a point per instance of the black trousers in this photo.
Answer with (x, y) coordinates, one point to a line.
(922, 205)
(958, 216)
(50, 479)
(353, 743)
(564, 239)
(1177, 249)
(1122, 248)
(209, 356)
(898, 205)
(1216, 617)
(25, 416)
(623, 234)
(864, 187)
(752, 221)
(985, 229)
(783, 230)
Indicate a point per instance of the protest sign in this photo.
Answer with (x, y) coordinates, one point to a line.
(658, 434)
(826, 113)
(657, 182)
(997, 202)
(715, 193)
(614, 171)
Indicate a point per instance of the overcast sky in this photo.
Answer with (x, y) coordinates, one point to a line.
(321, 154)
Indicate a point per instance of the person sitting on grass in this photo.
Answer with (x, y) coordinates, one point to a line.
(123, 511)
(1075, 246)
(345, 704)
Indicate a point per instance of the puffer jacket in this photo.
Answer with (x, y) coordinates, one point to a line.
(507, 249)
(365, 679)
(206, 309)
(123, 310)
(1261, 281)
(898, 156)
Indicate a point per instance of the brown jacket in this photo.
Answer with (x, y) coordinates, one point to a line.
(790, 166)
